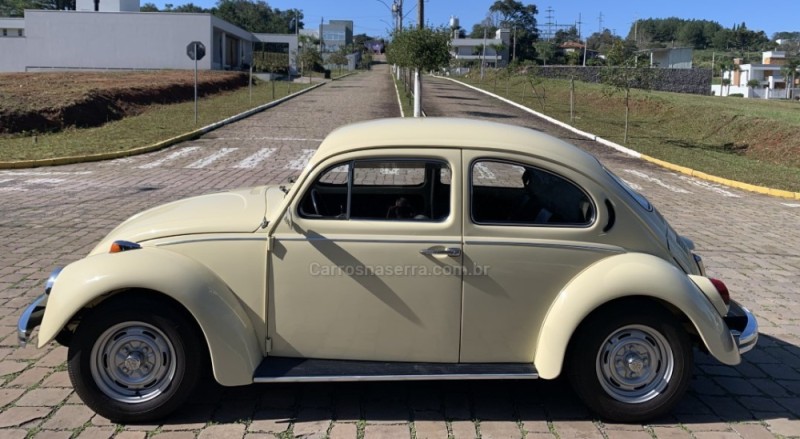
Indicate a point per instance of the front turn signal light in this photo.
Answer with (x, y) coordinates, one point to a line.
(123, 246)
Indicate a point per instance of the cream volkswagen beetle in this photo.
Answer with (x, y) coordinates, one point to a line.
(408, 249)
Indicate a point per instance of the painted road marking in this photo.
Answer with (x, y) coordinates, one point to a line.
(202, 163)
(633, 186)
(650, 179)
(44, 181)
(42, 173)
(254, 160)
(286, 139)
(175, 155)
(785, 204)
(710, 186)
(299, 163)
(484, 173)
(6, 180)
(12, 189)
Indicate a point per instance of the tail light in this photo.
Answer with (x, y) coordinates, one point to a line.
(722, 290)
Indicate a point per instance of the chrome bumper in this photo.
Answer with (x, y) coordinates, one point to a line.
(30, 319)
(743, 326)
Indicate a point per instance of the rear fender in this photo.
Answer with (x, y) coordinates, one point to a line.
(628, 275)
(229, 333)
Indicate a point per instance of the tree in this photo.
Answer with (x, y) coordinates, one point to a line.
(189, 7)
(751, 84)
(338, 59)
(563, 36)
(256, 16)
(310, 59)
(624, 76)
(521, 19)
(602, 41)
(420, 49)
(148, 7)
(546, 51)
(789, 70)
(16, 8)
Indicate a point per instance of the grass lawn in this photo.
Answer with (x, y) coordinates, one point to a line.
(157, 123)
(750, 140)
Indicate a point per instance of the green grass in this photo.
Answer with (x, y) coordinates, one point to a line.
(750, 140)
(157, 123)
(406, 98)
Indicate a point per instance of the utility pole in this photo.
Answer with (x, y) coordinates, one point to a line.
(600, 21)
(417, 75)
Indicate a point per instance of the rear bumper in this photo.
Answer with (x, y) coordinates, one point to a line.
(743, 326)
(30, 319)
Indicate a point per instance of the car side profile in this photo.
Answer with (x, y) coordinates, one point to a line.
(407, 249)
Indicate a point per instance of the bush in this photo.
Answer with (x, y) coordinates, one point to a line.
(736, 95)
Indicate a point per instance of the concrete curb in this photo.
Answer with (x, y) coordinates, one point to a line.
(155, 146)
(627, 151)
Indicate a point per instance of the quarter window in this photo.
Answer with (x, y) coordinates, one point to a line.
(387, 190)
(511, 193)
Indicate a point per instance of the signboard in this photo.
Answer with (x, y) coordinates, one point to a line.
(196, 50)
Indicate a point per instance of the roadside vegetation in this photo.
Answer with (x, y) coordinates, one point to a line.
(155, 123)
(749, 140)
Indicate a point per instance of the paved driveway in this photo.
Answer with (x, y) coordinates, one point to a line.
(52, 216)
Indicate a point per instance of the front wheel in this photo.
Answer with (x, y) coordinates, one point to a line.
(632, 366)
(134, 360)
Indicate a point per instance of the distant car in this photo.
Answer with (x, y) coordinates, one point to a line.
(408, 249)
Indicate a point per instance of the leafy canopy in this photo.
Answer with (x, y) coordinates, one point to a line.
(424, 49)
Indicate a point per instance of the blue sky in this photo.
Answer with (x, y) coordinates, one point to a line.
(373, 18)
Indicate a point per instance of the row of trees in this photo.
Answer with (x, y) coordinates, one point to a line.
(699, 34)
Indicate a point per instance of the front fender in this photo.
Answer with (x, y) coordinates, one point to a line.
(627, 275)
(229, 333)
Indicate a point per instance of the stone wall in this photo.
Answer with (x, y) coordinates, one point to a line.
(694, 81)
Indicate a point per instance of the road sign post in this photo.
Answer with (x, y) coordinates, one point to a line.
(196, 51)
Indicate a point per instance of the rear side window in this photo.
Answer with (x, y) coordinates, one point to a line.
(516, 194)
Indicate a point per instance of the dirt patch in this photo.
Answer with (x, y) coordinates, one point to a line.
(53, 101)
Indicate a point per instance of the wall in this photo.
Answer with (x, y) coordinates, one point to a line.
(13, 50)
(125, 40)
(694, 81)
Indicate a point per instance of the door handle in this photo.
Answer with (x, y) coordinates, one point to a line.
(447, 251)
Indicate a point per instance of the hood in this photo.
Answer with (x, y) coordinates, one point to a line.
(239, 211)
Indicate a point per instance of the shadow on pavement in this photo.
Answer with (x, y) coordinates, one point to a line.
(764, 387)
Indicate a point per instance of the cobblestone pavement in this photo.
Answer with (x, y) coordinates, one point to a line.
(52, 216)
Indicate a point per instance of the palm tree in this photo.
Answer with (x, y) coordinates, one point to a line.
(789, 70)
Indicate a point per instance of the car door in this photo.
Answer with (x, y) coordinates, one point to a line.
(532, 227)
(367, 263)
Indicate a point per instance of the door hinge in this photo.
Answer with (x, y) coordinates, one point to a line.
(268, 345)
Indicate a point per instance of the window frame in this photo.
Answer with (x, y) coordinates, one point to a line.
(352, 163)
(590, 223)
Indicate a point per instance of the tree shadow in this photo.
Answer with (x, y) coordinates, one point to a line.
(487, 114)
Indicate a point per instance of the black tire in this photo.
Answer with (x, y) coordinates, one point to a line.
(158, 355)
(631, 364)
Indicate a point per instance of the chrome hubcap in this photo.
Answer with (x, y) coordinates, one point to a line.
(635, 364)
(133, 362)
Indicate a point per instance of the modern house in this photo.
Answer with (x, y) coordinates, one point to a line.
(114, 35)
(472, 49)
(335, 35)
(671, 58)
(771, 82)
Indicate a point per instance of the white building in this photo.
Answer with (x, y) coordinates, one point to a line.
(671, 57)
(471, 49)
(113, 34)
(771, 83)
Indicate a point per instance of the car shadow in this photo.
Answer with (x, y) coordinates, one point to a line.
(764, 387)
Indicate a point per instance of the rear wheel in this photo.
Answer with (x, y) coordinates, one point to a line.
(632, 366)
(134, 361)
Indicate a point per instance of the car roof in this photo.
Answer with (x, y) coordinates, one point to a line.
(436, 132)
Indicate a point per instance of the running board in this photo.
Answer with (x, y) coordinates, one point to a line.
(287, 370)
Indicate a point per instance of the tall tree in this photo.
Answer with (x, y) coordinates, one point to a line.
(521, 19)
(623, 74)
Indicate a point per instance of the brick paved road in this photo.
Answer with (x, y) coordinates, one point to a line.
(52, 216)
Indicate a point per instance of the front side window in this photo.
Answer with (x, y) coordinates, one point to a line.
(512, 193)
(388, 190)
